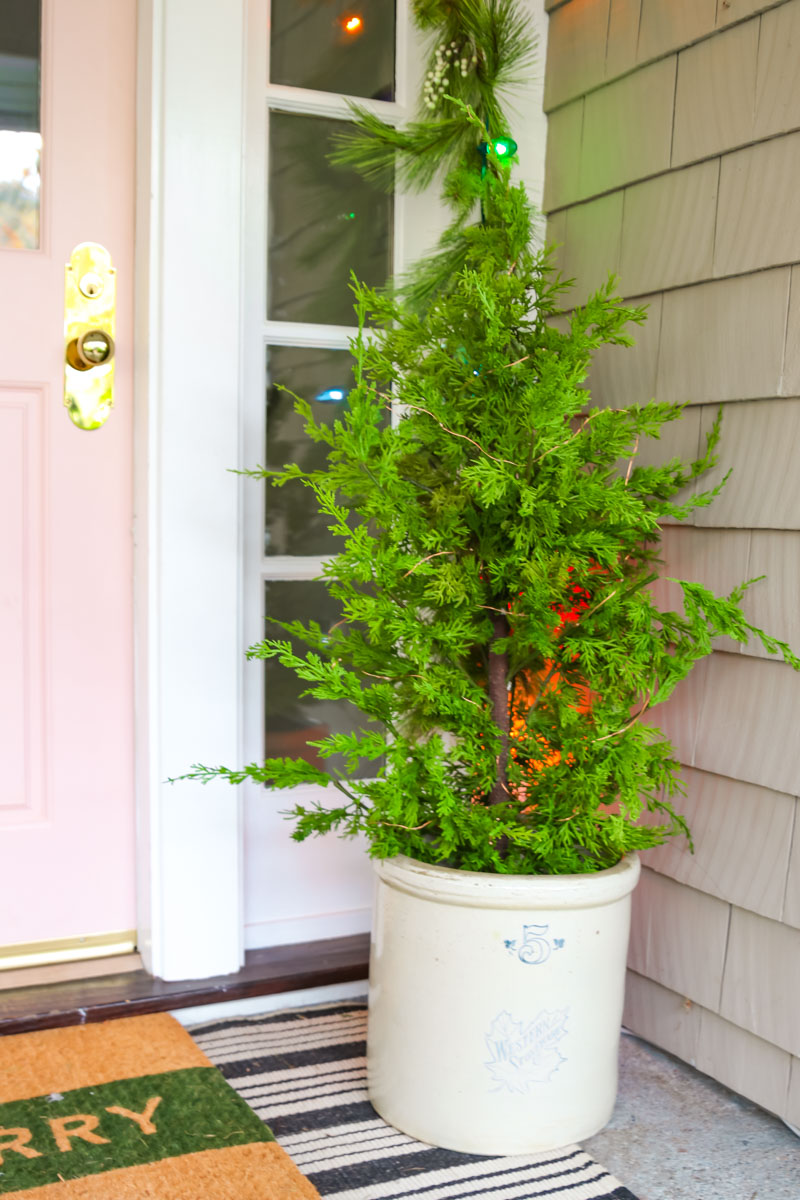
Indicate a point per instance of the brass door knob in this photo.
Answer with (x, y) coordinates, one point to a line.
(93, 348)
(89, 326)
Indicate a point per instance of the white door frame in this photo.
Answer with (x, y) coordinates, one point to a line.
(187, 504)
(191, 427)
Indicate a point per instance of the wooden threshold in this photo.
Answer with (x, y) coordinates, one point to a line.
(265, 973)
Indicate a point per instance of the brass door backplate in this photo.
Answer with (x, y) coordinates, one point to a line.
(89, 325)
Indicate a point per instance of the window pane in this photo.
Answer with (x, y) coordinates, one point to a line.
(334, 46)
(323, 378)
(293, 720)
(20, 128)
(324, 221)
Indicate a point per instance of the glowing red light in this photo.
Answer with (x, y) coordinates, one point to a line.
(352, 24)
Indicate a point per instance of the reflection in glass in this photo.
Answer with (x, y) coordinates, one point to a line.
(324, 222)
(334, 46)
(293, 720)
(20, 127)
(324, 378)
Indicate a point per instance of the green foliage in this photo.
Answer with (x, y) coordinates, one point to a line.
(499, 544)
(494, 522)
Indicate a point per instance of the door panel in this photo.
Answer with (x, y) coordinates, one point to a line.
(67, 836)
(21, 690)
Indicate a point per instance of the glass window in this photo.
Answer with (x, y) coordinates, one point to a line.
(294, 526)
(293, 720)
(20, 127)
(324, 221)
(323, 378)
(334, 46)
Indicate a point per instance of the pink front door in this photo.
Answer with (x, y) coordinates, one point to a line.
(67, 835)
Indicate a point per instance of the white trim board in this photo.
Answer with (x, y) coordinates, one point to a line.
(307, 928)
(254, 1006)
(187, 436)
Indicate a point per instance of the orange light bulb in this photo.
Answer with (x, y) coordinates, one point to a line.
(352, 24)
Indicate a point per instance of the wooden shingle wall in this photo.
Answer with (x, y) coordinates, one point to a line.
(673, 160)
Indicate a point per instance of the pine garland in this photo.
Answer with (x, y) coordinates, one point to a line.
(500, 638)
(480, 50)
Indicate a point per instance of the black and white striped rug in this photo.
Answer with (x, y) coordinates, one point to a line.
(304, 1073)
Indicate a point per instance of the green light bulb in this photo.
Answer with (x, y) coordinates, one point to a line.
(505, 147)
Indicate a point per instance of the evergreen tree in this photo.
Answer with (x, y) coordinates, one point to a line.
(499, 542)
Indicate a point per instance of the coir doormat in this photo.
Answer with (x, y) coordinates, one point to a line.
(130, 1109)
(304, 1073)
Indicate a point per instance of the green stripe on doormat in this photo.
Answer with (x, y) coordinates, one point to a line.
(121, 1124)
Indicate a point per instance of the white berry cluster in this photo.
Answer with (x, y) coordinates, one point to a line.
(462, 58)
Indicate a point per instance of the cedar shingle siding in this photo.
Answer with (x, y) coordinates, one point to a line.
(673, 160)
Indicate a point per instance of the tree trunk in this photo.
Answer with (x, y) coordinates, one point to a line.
(498, 694)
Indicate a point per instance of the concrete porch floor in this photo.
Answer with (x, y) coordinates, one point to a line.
(678, 1135)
